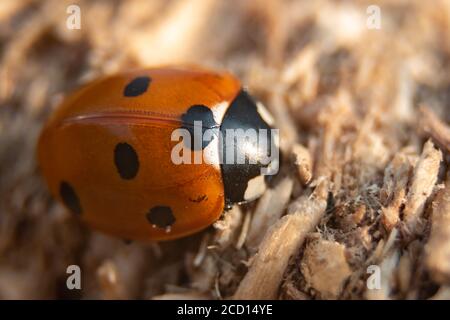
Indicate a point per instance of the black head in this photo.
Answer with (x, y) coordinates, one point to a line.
(249, 148)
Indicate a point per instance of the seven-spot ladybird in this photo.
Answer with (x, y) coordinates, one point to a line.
(107, 153)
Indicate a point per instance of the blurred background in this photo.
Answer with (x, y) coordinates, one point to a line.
(356, 87)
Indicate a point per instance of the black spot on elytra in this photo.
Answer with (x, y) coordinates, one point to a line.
(137, 86)
(69, 197)
(197, 120)
(126, 160)
(161, 216)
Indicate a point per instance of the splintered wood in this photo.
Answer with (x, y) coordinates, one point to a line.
(269, 209)
(280, 243)
(325, 267)
(422, 184)
(438, 247)
(302, 158)
(393, 192)
(435, 128)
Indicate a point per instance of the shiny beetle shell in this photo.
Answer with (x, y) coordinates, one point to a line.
(106, 152)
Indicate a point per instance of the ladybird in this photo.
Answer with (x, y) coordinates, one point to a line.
(114, 151)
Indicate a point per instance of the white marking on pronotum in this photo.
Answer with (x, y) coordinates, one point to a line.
(255, 188)
(264, 113)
